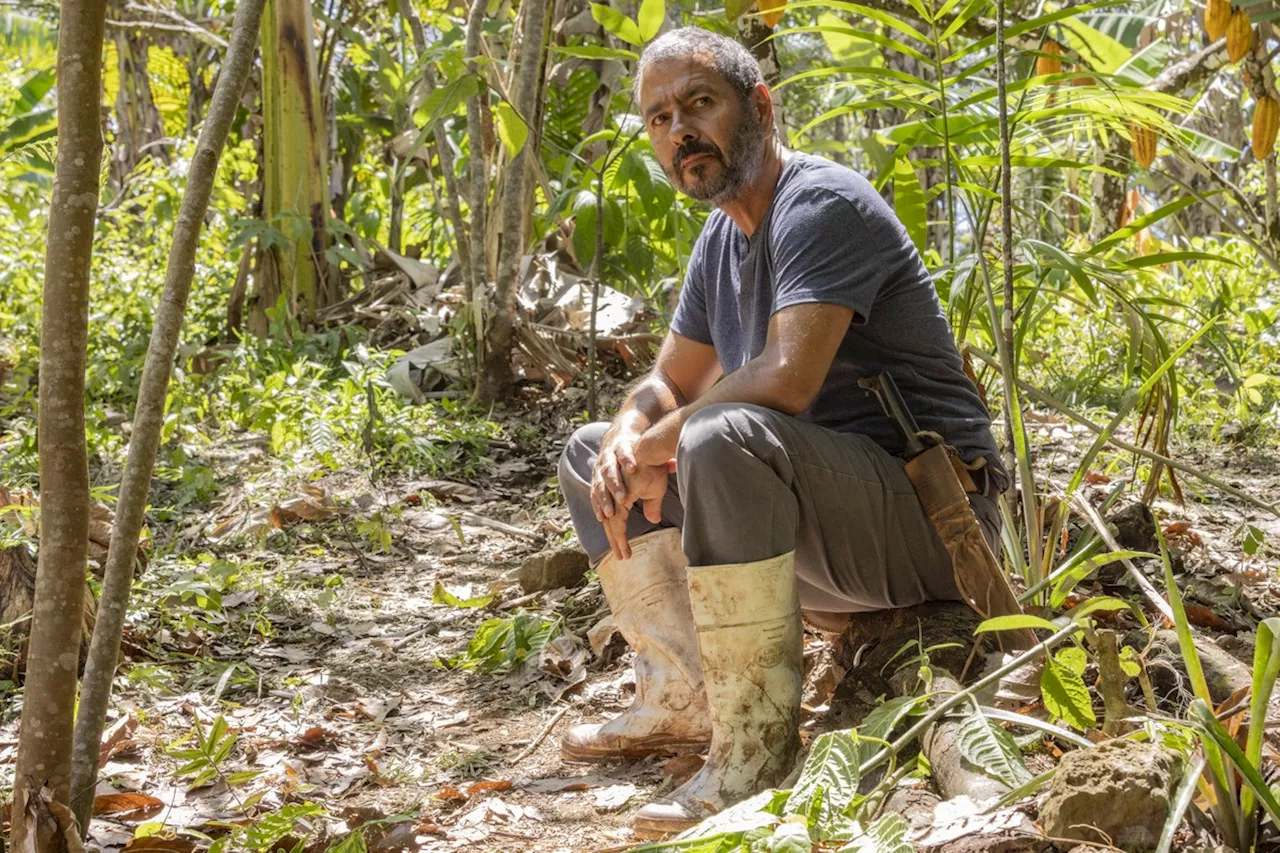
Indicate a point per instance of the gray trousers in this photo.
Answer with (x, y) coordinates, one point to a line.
(752, 483)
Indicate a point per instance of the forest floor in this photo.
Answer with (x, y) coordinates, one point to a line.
(312, 616)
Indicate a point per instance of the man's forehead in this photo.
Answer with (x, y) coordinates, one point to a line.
(673, 76)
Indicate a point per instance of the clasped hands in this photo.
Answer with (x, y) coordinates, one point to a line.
(632, 466)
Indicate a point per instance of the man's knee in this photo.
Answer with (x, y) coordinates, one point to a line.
(720, 434)
(579, 455)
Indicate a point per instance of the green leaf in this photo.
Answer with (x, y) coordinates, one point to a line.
(442, 595)
(1073, 658)
(880, 723)
(591, 51)
(1202, 714)
(1068, 580)
(909, 204)
(830, 774)
(1129, 662)
(1266, 669)
(991, 749)
(886, 835)
(650, 17)
(511, 129)
(1101, 52)
(617, 23)
(1066, 696)
(1252, 539)
(1013, 622)
(1143, 221)
(788, 838)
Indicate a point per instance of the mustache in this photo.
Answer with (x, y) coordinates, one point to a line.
(696, 147)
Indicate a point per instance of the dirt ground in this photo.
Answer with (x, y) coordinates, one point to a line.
(337, 695)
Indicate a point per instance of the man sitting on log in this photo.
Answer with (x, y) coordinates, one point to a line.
(749, 475)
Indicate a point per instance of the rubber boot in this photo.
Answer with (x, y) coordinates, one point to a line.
(649, 596)
(749, 631)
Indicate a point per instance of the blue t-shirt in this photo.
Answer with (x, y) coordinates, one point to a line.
(829, 237)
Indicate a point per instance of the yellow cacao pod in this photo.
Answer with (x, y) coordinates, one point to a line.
(1143, 142)
(1217, 13)
(771, 11)
(1239, 35)
(1051, 64)
(1266, 120)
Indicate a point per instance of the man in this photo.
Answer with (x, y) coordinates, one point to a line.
(786, 491)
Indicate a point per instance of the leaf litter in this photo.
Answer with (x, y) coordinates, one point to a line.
(333, 629)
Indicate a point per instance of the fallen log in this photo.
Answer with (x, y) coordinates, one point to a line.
(940, 742)
(874, 644)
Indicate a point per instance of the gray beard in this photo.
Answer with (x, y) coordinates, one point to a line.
(740, 167)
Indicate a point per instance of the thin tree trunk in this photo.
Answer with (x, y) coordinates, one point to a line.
(477, 282)
(1108, 189)
(497, 377)
(461, 241)
(149, 415)
(44, 744)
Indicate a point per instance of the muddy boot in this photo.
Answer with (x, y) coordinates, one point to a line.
(649, 596)
(748, 618)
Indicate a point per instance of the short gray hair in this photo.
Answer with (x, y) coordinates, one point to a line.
(732, 61)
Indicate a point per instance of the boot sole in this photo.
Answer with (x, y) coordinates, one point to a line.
(587, 754)
(657, 830)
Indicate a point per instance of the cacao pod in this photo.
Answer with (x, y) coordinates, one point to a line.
(1266, 120)
(1239, 35)
(1131, 202)
(771, 11)
(1217, 13)
(1052, 63)
(1143, 142)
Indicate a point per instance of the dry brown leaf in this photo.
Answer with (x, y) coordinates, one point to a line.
(128, 805)
(315, 737)
(1204, 617)
(305, 508)
(489, 785)
(116, 739)
(448, 792)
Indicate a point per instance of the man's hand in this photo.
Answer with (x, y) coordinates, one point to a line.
(609, 490)
(633, 482)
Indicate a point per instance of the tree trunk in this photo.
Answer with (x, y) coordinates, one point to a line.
(138, 122)
(295, 164)
(149, 414)
(1108, 190)
(754, 34)
(44, 745)
(497, 378)
(477, 283)
(444, 152)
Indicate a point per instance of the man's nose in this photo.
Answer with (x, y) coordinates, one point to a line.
(681, 130)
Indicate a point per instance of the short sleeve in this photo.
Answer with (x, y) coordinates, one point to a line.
(691, 319)
(824, 251)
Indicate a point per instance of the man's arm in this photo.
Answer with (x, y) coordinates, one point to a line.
(802, 342)
(684, 370)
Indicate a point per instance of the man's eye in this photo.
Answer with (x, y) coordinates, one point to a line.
(702, 100)
(659, 119)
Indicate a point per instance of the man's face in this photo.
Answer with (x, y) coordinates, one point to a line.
(706, 139)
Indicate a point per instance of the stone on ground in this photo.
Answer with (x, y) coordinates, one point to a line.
(1120, 788)
(563, 567)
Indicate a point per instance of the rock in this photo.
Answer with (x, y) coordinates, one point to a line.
(564, 567)
(1120, 788)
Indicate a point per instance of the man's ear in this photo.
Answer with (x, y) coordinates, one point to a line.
(762, 102)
